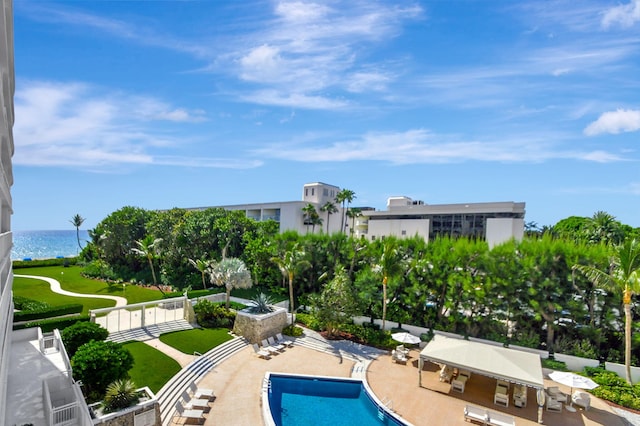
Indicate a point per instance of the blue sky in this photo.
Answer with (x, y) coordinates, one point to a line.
(161, 104)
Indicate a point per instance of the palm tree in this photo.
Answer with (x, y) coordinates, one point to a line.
(77, 221)
(201, 265)
(330, 208)
(291, 262)
(309, 211)
(316, 220)
(623, 276)
(603, 227)
(230, 272)
(345, 196)
(353, 214)
(390, 266)
(147, 248)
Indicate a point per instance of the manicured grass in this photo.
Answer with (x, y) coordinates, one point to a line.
(39, 290)
(197, 340)
(71, 280)
(151, 367)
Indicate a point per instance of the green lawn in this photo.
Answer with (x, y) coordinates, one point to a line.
(71, 280)
(151, 368)
(197, 340)
(40, 290)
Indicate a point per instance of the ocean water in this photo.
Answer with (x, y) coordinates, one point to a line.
(46, 244)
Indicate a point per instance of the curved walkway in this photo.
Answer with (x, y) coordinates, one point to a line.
(56, 288)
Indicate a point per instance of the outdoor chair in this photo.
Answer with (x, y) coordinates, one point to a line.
(261, 353)
(200, 393)
(274, 344)
(501, 396)
(190, 403)
(446, 373)
(267, 347)
(458, 384)
(520, 396)
(581, 399)
(554, 405)
(464, 373)
(190, 416)
(398, 357)
(283, 341)
(402, 349)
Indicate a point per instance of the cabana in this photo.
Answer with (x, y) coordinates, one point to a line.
(493, 361)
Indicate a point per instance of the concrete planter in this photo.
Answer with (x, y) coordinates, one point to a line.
(146, 411)
(256, 327)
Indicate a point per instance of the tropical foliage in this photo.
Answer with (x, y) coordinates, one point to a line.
(525, 292)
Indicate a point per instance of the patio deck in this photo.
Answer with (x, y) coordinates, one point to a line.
(237, 383)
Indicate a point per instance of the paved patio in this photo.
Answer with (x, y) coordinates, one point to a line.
(237, 383)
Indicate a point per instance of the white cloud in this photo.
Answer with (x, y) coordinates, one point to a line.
(294, 100)
(625, 15)
(621, 120)
(301, 12)
(420, 146)
(74, 124)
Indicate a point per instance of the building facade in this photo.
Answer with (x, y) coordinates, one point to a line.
(494, 222)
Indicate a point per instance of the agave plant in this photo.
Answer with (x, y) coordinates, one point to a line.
(120, 394)
(261, 304)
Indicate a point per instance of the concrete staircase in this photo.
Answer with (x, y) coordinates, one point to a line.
(149, 332)
(171, 391)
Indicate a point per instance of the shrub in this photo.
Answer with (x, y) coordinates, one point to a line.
(97, 364)
(120, 394)
(213, 315)
(48, 312)
(292, 330)
(26, 304)
(309, 321)
(80, 333)
(554, 364)
(48, 325)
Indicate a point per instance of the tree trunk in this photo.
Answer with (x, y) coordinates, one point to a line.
(291, 297)
(384, 301)
(228, 301)
(627, 340)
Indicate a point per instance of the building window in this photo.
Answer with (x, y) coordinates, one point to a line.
(404, 232)
(313, 190)
(325, 192)
(373, 238)
(306, 192)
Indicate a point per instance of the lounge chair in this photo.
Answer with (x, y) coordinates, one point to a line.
(459, 383)
(401, 348)
(261, 353)
(520, 396)
(190, 416)
(200, 393)
(398, 357)
(267, 347)
(500, 419)
(581, 399)
(446, 373)
(476, 414)
(501, 396)
(554, 405)
(464, 373)
(283, 341)
(274, 344)
(190, 403)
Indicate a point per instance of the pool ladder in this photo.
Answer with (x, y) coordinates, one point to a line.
(388, 403)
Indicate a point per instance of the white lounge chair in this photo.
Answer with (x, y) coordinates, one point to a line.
(190, 403)
(398, 357)
(500, 419)
(581, 399)
(190, 416)
(261, 353)
(501, 396)
(476, 414)
(459, 383)
(280, 339)
(267, 347)
(554, 405)
(274, 344)
(200, 393)
(520, 396)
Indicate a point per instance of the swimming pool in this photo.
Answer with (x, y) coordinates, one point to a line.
(291, 400)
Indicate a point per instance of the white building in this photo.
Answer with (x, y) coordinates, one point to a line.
(494, 222)
(35, 374)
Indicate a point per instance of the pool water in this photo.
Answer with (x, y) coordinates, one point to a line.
(306, 400)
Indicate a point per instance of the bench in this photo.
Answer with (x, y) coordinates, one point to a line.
(487, 417)
(500, 419)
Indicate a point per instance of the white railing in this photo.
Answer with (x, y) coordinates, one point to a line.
(64, 414)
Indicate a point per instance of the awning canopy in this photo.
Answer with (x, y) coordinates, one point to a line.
(493, 361)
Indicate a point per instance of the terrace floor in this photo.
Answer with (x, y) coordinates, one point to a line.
(238, 381)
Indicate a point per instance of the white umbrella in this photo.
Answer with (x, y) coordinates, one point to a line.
(405, 338)
(573, 381)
